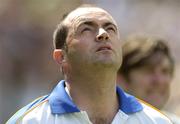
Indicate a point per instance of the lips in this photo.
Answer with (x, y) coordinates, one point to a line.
(103, 48)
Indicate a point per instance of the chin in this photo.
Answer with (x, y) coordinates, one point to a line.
(104, 63)
(107, 61)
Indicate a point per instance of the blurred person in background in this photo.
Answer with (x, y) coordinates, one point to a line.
(88, 51)
(147, 70)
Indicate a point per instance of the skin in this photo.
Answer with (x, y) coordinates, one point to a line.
(151, 82)
(89, 66)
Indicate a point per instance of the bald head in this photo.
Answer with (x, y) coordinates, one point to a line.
(82, 11)
(72, 21)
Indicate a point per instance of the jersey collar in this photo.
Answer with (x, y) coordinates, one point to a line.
(60, 101)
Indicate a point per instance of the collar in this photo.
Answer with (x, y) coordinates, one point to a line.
(60, 102)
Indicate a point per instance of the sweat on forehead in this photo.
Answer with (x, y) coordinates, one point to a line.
(82, 11)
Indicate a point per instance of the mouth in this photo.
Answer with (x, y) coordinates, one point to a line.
(104, 48)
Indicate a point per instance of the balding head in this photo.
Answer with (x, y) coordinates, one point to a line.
(70, 20)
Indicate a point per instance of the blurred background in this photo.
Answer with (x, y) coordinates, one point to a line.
(27, 69)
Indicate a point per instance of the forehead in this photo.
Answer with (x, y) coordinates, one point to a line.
(88, 14)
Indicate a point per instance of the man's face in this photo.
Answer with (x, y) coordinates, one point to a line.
(151, 83)
(93, 38)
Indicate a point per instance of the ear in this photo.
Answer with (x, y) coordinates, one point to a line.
(58, 55)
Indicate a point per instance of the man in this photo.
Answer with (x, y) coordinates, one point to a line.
(88, 50)
(147, 70)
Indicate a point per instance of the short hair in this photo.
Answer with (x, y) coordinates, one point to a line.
(61, 32)
(138, 49)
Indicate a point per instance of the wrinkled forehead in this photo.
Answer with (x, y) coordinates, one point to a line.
(88, 13)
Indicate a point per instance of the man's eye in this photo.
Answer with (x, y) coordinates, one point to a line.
(86, 29)
(111, 29)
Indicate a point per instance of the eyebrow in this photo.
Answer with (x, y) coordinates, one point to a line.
(110, 23)
(91, 23)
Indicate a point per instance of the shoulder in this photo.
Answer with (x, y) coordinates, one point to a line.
(32, 108)
(151, 113)
(173, 117)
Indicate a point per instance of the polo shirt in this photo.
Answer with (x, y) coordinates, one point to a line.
(59, 108)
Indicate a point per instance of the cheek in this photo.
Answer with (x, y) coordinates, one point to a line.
(87, 35)
(140, 84)
(79, 50)
(116, 41)
(139, 80)
(74, 44)
(167, 79)
(117, 44)
(167, 83)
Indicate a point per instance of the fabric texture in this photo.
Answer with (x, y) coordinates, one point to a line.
(58, 108)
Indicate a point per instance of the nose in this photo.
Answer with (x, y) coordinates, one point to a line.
(102, 35)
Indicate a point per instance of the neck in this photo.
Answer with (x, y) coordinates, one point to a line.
(95, 93)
